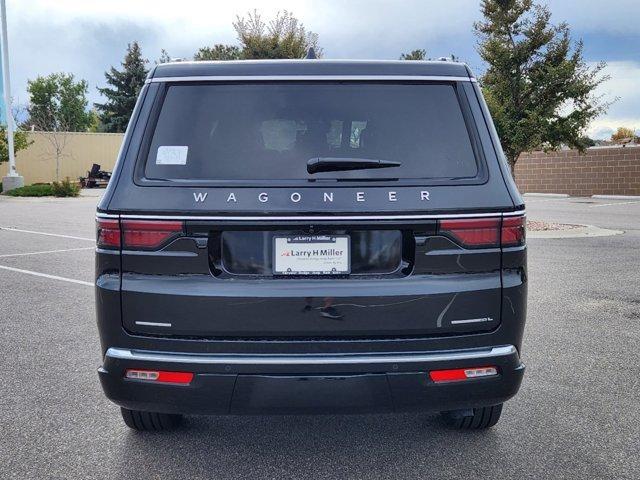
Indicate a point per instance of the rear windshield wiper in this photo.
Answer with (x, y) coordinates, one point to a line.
(330, 164)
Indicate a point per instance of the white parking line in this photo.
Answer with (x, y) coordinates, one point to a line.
(610, 204)
(11, 229)
(46, 275)
(45, 251)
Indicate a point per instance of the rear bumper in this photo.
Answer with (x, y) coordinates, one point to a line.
(350, 383)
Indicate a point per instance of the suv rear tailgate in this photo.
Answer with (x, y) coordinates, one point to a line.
(437, 288)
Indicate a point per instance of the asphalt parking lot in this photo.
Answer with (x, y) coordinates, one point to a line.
(576, 416)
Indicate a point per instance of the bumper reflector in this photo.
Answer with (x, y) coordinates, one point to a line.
(160, 376)
(441, 376)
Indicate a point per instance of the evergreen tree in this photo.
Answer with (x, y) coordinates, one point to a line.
(538, 88)
(419, 54)
(164, 57)
(218, 52)
(125, 87)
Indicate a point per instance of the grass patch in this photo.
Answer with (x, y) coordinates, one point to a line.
(37, 190)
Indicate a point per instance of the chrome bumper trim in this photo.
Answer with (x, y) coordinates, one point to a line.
(351, 359)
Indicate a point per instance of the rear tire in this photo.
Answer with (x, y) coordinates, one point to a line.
(483, 417)
(150, 421)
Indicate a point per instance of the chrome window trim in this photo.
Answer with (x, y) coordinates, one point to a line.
(514, 214)
(351, 359)
(312, 218)
(328, 78)
(106, 215)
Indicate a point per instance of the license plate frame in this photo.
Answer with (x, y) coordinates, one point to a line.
(330, 255)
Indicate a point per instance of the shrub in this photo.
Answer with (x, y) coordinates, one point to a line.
(65, 188)
(36, 190)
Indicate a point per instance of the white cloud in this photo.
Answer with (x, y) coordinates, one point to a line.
(614, 17)
(625, 112)
(87, 37)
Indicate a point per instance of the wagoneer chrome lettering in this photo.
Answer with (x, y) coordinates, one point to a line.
(296, 197)
(343, 237)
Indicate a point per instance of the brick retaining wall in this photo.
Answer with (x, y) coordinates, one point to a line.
(600, 171)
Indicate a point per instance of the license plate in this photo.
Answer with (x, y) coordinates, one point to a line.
(311, 255)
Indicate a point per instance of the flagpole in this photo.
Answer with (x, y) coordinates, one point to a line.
(12, 180)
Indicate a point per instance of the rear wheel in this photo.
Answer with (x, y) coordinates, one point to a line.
(150, 421)
(474, 419)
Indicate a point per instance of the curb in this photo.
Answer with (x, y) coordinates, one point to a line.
(617, 197)
(552, 195)
(583, 231)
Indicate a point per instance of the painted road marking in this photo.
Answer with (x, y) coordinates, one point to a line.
(11, 229)
(46, 275)
(45, 251)
(610, 204)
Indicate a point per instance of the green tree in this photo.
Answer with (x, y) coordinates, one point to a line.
(122, 94)
(20, 142)
(537, 85)
(218, 52)
(58, 103)
(419, 54)
(95, 125)
(587, 141)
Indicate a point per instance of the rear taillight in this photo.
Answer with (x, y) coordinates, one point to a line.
(108, 233)
(473, 232)
(457, 374)
(149, 234)
(160, 376)
(485, 232)
(136, 234)
(513, 231)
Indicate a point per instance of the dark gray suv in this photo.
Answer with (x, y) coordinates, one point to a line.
(311, 236)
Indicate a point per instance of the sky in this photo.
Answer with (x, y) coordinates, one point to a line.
(86, 37)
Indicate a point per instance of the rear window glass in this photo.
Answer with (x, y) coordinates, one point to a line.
(270, 131)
